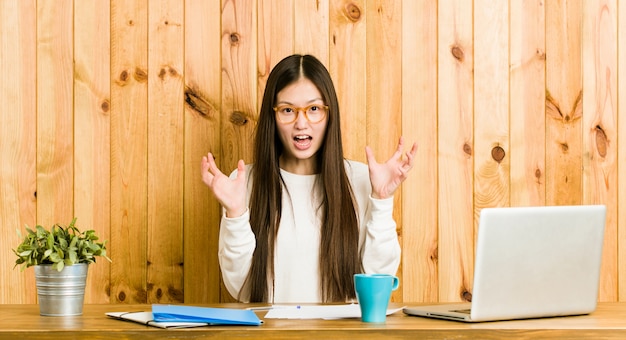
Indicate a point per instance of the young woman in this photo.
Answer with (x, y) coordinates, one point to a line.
(301, 220)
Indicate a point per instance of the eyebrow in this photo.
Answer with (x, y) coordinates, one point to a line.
(312, 101)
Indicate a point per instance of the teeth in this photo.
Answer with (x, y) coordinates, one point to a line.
(301, 137)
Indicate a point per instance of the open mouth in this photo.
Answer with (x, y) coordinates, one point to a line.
(302, 141)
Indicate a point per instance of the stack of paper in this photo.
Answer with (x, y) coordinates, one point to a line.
(178, 316)
(319, 312)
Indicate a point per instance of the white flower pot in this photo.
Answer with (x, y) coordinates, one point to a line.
(61, 293)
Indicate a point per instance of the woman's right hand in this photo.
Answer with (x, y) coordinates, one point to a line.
(231, 193)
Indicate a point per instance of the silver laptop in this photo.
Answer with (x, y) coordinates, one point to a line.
(531, 262)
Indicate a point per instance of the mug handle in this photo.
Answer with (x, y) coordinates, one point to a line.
(396, 283)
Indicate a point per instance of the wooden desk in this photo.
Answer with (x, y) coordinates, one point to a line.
(24, 322)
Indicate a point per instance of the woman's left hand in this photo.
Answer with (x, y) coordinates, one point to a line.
(388, 176)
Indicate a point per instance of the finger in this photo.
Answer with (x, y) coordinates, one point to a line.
(369, 154)
(213, 169)
(241, 169)
(398, 153)
(414, 149)
(401, 142)
(411, 154)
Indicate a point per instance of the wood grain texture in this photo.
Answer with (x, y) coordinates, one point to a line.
(311, 28)
(92, 133)
(165, 151)
(419, 124)
(239, 92)
(129, 147)
(18, 114)
(276, 38)
(455, 157)
(527, 103)
(202, 119)
(607, 322)
(492, 159)
(563, 102)
(534, 84)
(621, 145)
(348, 68)
(384, 102)
(55, 135)
(599, 126)
(239, 80)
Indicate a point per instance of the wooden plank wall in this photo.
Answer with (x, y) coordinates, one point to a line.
(107, 106)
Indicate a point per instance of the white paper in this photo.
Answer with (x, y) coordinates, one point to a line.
(319, 312)
(146, 318)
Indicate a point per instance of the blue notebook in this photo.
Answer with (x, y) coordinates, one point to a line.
(213, 316)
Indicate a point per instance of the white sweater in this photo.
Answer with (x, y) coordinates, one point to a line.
(296, 262)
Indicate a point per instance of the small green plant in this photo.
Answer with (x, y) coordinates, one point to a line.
(60, 246)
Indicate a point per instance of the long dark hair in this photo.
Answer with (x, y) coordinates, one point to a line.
(339, 255)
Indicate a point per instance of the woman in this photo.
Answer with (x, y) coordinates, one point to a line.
(301, 220)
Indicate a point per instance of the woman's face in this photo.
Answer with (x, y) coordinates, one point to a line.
(301, 138)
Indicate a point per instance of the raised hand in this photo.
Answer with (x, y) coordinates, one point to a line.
(388, 176)
(231, 193)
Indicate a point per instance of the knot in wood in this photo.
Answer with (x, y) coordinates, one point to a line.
(466, 296)
(238, 118)
(353, 12)
(105, 106)
(457, 53)
(124, 76)
(140, 75)
(197, 102)
(601, 141)
(497, 153)
(541, 55)
(234, 39)
(467, 149)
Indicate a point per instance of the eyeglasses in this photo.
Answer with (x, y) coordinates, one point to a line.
(313, 113)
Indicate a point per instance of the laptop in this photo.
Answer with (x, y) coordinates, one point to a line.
(531, 262)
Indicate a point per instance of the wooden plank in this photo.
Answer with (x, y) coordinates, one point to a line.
(239, 86)
(202, 134)
(384, 102)
(18, 33)
(527, 107)
(92, 104)
(621, 145)
(55, 161)
(563, 102)
(165, 160)
(419, 124)
(275, 38)
(347, 67)
(491, 105)
(599, 125)
(311, 27)
(129, 193)
(456, 150)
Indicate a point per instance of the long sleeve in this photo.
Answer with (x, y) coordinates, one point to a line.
(381, 251)
(236, 246)
(378, 239)
(296, 262)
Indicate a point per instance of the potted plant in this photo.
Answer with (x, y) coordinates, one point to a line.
(61, 258)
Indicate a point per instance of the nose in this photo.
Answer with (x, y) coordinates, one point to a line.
(301, 120)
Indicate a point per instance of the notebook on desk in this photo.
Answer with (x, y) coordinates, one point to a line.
(531, 262)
